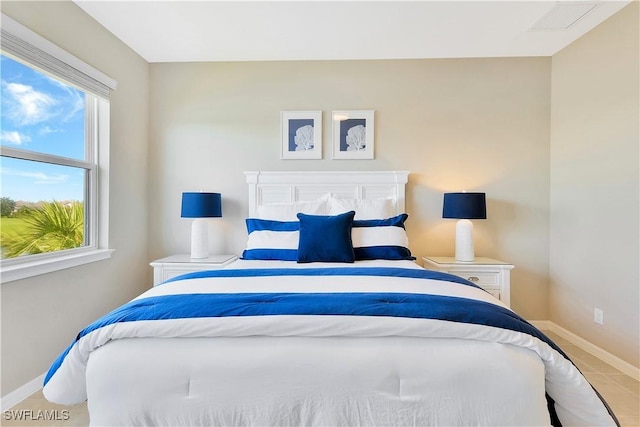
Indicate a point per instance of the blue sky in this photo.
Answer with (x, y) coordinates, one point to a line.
(41, 114)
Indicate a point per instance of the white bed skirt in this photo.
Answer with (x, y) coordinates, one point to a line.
(307, 381)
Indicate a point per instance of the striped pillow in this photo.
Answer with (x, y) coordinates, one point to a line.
(272, 240)
(381, 239)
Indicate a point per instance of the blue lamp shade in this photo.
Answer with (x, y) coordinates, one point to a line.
(201, 205)
(464, 206)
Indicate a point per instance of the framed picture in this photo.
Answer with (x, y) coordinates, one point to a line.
(352, 134)
(301, 133)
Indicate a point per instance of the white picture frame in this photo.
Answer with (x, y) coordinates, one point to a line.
(301, 135)
(353, 134)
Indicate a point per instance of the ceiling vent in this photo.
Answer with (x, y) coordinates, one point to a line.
(563, 16)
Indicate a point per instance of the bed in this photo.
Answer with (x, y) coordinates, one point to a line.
(325, 321)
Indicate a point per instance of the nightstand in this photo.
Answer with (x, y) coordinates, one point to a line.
(490, 274)
(175, 265)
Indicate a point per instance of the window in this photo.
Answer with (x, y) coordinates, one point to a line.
(54, 153)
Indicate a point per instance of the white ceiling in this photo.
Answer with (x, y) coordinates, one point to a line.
(183, 31)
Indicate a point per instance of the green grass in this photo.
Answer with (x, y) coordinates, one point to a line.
(12, 225)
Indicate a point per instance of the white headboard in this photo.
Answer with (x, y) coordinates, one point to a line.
(267, 187)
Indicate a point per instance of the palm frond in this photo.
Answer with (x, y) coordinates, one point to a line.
(51, 227)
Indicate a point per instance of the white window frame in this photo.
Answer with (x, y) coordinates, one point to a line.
(32, 48)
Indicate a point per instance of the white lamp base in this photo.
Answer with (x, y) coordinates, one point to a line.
(199, 238)
(464, 241)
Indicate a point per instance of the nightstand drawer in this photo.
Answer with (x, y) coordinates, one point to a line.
(176, 265)
(169, 273)
(482, 279)
(490, 274)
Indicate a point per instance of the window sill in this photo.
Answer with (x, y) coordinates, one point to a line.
(23, 270)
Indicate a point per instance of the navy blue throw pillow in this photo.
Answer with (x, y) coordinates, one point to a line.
(326, 238)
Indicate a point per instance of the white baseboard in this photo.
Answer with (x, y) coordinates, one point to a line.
(21, 393)
(543, 325)
(605, 356)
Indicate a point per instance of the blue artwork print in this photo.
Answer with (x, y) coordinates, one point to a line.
(353, 135)
(301, 135)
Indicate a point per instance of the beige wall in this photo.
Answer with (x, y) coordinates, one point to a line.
(478, 124)
(595, 122)
(42, 315)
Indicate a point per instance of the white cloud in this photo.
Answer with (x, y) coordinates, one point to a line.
(28, 106)
(38, 177)
(46, 130)
(74, 100)
(14, 137)
(76, 104)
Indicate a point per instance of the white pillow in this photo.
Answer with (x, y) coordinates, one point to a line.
(365, 208)
(289, 211)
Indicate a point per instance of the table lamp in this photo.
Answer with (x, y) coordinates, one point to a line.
(464, 207)
(200, 206)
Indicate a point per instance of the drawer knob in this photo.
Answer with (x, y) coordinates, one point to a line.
(473, 279)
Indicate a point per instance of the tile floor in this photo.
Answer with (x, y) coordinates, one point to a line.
(621, 392)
